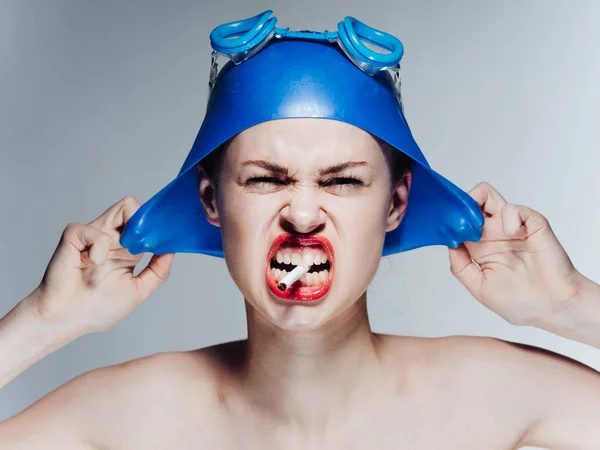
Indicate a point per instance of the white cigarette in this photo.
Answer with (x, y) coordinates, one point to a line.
(292, 277)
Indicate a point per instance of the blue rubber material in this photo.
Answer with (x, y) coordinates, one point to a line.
(352, 31)
(302, 78)
(238, 39)
(242, 35)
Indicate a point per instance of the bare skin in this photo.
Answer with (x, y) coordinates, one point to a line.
(308, 377)
(447, 393)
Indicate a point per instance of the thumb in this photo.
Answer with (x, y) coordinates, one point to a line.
(464, 268)
(154, 274)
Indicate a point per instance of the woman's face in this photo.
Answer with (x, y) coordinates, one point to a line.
(304, 191)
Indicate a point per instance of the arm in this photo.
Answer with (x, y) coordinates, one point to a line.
(568, 393)
(580, 320)
(88, 287)
(25, 339)
(520, 270)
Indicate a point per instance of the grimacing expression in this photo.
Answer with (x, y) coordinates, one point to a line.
(273, 181)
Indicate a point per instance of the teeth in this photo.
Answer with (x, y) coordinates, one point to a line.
(310, 279)
(296, 259)
(306, 279)
(308, 259)
(305, 256)
(276, 273)
(317, 279)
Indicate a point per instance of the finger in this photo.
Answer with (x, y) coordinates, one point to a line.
(123, 254)
(465, 269)
(153, 275)
(117, 215)
(488, 198)
(92, 244)
(520, 222)
(121, 258)
(513, 224)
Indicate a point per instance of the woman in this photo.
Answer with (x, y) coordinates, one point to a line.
(325, 194)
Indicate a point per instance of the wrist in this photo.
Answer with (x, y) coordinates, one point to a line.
(580, 318)
(588, 290)
(26, 338)
(49, 332)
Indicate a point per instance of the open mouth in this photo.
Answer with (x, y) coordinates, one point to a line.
(300, 267)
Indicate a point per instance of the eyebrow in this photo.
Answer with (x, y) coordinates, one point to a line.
(271, 167)
(276, 168)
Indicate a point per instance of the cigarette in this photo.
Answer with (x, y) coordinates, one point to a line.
(292, 277)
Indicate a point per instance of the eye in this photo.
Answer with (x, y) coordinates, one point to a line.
(338, 183)
(344, 183)
(258, 181)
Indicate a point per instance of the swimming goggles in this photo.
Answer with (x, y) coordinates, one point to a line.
(242, 39)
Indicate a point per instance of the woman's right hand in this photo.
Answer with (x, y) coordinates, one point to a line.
(89, 283)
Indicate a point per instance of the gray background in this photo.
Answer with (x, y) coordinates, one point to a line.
(103, 99)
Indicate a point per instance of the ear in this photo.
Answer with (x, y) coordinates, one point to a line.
(208, 197)
(399, 202)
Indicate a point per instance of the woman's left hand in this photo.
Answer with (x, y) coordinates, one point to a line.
(522, 272)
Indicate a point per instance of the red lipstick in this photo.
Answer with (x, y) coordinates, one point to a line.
(298, 292)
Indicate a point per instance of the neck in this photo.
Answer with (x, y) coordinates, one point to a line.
(309, 378)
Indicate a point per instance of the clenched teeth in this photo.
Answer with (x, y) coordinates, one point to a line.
(307, 256)
(310, 279)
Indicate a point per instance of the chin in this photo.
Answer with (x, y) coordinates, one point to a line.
(303, 316)
(298, 317)
(300, 322)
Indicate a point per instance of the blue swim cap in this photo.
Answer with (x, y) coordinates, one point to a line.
(302, 79)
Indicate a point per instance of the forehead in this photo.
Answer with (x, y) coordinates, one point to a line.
(301, 141)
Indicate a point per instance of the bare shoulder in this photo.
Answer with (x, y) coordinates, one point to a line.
(485, 361)
(116, 406)
(517, 364)
(549, 399)
(460, 362)
(466, 353)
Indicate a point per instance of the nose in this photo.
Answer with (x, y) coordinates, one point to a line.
(303, 213)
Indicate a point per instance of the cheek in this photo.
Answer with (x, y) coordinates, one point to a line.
(249, 218)
(242, 216)
(362, 218)
(361, 227)
(245, 221)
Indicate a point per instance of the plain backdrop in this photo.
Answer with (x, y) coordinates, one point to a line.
(101, 99)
